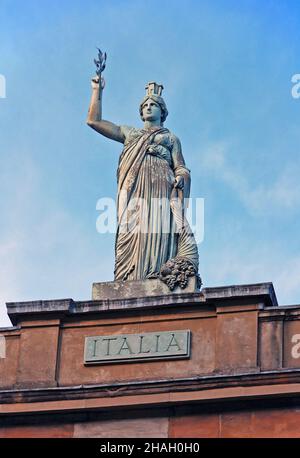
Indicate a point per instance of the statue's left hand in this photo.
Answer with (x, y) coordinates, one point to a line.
(152, 149)
(179, 182)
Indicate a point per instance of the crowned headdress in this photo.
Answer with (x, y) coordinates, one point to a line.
(153, 88)
(154, 91)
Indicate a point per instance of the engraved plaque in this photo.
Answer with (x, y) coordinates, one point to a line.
(132, 347)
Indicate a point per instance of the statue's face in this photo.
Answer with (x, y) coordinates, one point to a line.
(151, 111)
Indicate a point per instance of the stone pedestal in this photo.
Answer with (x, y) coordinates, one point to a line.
(117, 290)
(223, 362)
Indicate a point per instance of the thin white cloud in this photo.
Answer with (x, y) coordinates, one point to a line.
(260, 265)
(282, 194)
(45, 251)
(56, 261)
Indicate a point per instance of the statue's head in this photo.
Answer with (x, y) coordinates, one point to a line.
(153, 104)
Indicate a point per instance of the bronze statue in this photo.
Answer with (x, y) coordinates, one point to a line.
(153, 237)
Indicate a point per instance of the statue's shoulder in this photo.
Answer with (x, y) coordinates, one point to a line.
(173, 138)
(129, 131)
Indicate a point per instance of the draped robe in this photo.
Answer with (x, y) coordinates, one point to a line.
(152, 227)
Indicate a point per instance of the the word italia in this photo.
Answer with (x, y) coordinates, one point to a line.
(133, 346)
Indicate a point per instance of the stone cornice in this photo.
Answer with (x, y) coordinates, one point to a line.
(257, 293)
(244, 385)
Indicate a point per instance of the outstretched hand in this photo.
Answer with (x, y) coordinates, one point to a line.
(95, 82)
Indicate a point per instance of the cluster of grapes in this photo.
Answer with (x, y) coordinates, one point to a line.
(171, 281)
(177, 271)
(183, 280)
(187, 270)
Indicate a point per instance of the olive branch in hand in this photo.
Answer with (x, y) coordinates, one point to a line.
(100, 63)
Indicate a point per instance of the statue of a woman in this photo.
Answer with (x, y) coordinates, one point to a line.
(153, 237)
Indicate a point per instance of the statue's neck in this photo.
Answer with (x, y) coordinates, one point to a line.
(150, 124)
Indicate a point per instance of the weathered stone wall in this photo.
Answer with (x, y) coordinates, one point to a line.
(245, 357)
(260, 423)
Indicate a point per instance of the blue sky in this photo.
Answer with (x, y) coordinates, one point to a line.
(226, 67)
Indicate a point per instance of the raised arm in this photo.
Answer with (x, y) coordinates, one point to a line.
(94, 119)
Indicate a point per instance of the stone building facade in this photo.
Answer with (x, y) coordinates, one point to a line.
(235, 373)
